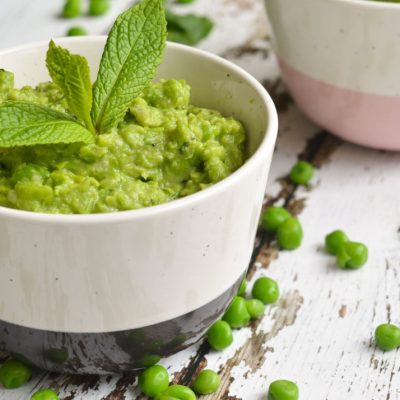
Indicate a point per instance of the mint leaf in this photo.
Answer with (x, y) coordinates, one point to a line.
(72, 74)
(79, 89)
(132, 53)
(57, 59)
(26, 124)
(188, 29)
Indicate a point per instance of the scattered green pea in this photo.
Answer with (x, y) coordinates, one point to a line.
(387, 337)
(180, 392)
(242, 288)
(45, 394)
(72, 9)
(154, 380)
(98, 7)
(77, 31)
(266, 290)
(273, 217)
(166, 397)
(206, 382)
(352, 255)
(255, 308)
(334, 240)
(301, 173)
(237, 315)
(219, 335)
(14, 373)
(283, 390)
(290, 234)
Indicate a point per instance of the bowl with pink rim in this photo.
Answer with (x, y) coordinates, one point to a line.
(341, 60)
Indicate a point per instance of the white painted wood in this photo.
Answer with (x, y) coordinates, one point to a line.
(319, 334)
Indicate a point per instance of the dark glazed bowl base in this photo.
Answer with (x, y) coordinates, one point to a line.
(111, 352)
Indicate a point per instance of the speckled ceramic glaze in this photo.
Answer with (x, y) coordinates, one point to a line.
(76, 288)
(341, 62)
(108, 352)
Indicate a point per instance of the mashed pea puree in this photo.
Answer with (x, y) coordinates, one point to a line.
(164, 149)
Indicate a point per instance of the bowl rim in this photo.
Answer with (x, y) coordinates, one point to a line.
(267, 142)
(373, 4)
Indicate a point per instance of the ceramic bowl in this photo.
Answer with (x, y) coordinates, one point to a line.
(341, 60)
(113, 292)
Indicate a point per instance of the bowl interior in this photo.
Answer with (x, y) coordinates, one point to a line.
(215, 83)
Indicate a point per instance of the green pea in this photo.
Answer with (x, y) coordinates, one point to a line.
(237, 315)
(283, 390)
(14, 373)
(72, 9)
(290, 234)
(387, 337)
(166, 397)
(154, 380)
(206, 382)
(334, 240)
(242, 288)
(77, 31)
(352, 255)
(219, 336)
(266, 290)
(273, 217)
(45, 394)
(98, 7)
(301, 173)
(255, 308)
(180, 392)
(188, 1)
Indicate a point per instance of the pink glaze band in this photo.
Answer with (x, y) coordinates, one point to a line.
(366, 119)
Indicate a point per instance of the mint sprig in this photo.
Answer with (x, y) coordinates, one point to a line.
(26, 124)
(132, 53)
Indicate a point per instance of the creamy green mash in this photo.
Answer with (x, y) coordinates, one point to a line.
(164, 149)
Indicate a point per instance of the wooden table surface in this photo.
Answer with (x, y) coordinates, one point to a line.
(319, 334)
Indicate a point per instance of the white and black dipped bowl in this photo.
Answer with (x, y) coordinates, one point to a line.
(105, 293)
